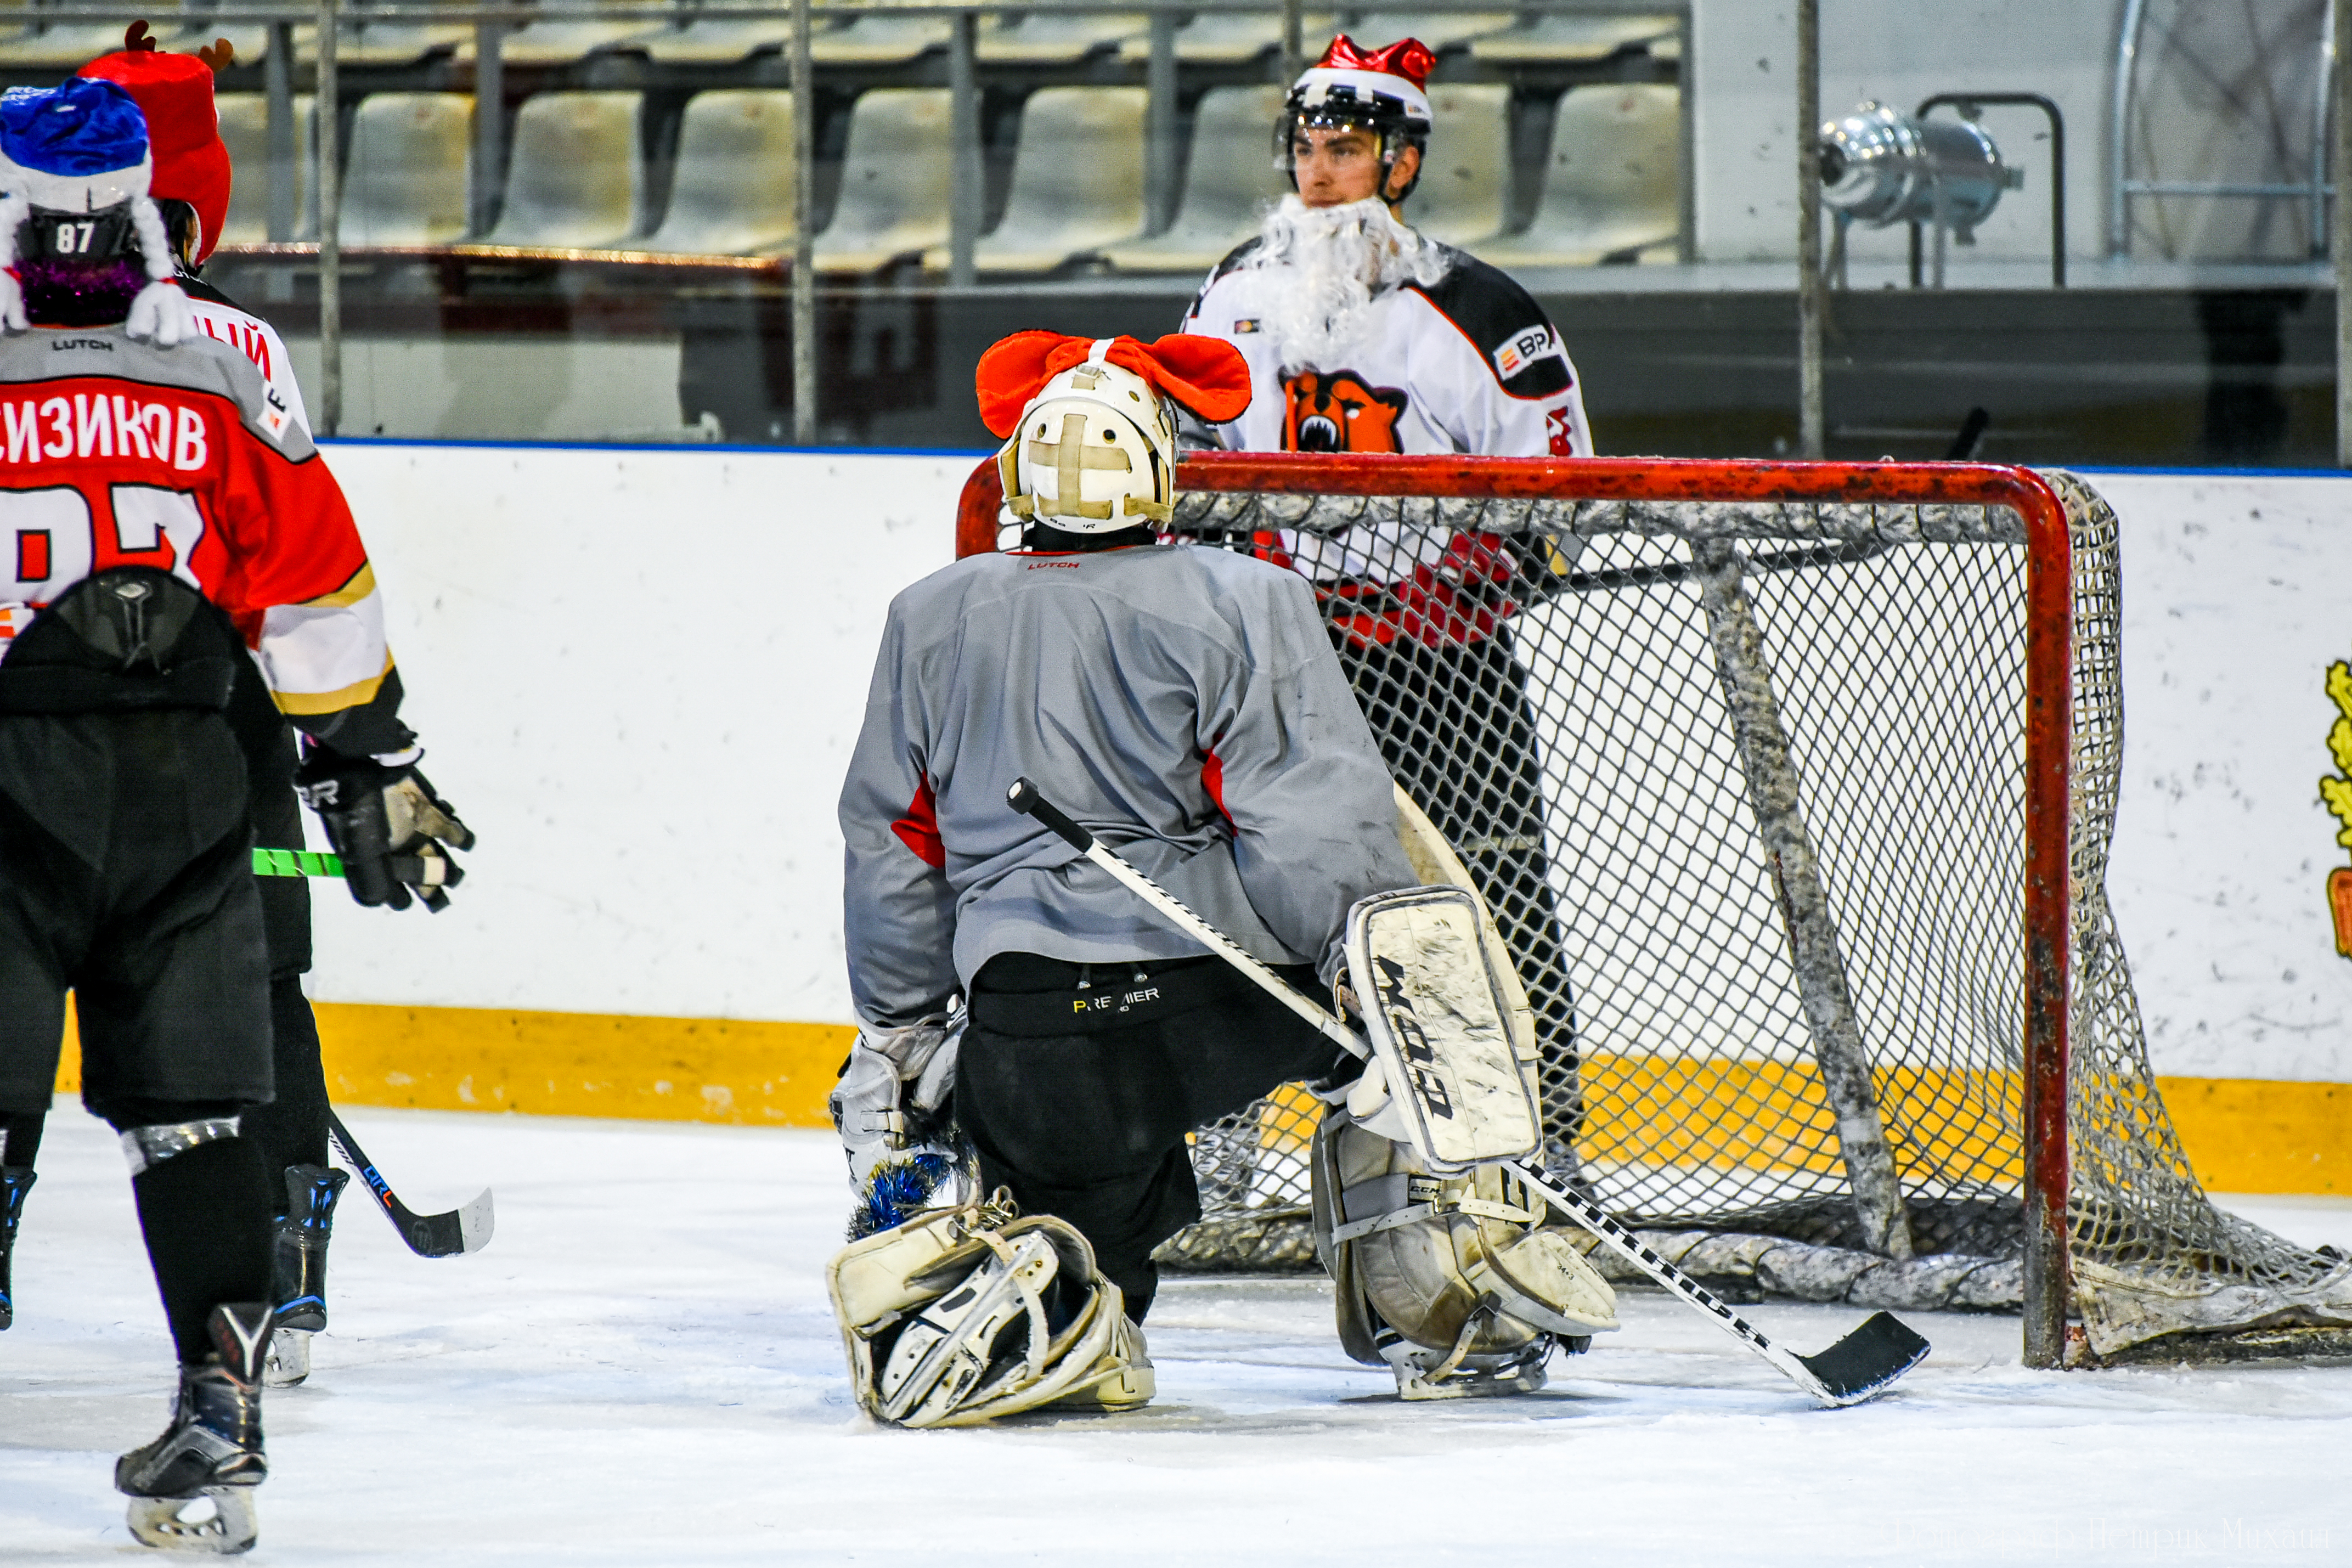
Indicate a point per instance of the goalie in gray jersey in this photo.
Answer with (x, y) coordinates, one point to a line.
(1188, 708)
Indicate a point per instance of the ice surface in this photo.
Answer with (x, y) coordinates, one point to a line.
(641, 1369)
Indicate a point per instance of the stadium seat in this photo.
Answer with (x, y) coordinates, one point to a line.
(1232, 177)
(1555, 38)
(1078, 180)
(62, 46)
(1051, 35)
(408, 179)
(1465, 184)
(1234, 39)
(559, 43)
(1612, 188)
(879, 40)
(574, 177)
(244, 131)
(1438, 29)
(709, 36)
(732, 192)
(361, 43)
(895, 179)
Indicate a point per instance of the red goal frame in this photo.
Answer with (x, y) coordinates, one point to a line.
(2049, 702)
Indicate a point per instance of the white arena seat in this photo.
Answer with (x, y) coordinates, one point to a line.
(709, 36)
(1612, 188)
(1078, 180)
(408, 179)
(1438, 29)
(361, 43)
(1232, 177)
(878, 40)
(1465, 193)
(1051, 35)
(244, 131)
(561, 42)
(732, 192)
(896, 175)
(63, 45)
(574, 177)
(1234, 38)
(1556, 38)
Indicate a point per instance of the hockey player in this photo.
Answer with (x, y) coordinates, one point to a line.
(1188, 707)
(177, 541)
(1189, 711)
(191, 185)
(1362, 335)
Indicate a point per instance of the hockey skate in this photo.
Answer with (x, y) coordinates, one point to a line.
(311, 1192)
(14, 1182)
(191, 1489)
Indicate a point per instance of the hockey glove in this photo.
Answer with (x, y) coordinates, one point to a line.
(890, 1109)
(393, 832)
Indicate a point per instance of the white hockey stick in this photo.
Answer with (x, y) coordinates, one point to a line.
(1863, 1364)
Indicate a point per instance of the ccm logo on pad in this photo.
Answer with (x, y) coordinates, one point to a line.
(1524, 350)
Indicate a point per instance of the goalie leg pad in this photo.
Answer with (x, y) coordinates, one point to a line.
(963, 1315)
(1457, 1284)
(1447, 1074)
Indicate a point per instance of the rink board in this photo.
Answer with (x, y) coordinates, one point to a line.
(639, 671)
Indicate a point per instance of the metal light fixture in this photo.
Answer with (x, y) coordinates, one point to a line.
(1880, 166)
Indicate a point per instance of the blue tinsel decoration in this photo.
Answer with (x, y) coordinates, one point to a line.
(898, 1191)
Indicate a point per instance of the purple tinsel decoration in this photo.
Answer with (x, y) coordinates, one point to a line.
(79, 293)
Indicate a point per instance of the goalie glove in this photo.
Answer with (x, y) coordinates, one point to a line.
(890, 1109)
(393, 832)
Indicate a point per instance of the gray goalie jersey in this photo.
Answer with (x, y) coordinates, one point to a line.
(1182, 704)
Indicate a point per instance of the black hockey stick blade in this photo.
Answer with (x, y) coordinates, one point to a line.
(1861, 1365)
(465, 1228)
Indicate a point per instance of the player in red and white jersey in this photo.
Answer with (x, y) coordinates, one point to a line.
(172, 552)
(1363, 335)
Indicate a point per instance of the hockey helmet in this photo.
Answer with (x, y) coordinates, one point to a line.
(75, 168)
(1090, 426)
(1384, 92)
(962, 1315)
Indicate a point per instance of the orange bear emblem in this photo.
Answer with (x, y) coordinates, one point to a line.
(1337, 413)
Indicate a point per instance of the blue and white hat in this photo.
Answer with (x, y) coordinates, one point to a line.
(82, 148)
(78, 147)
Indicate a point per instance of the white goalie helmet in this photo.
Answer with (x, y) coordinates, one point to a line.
(1094, 451)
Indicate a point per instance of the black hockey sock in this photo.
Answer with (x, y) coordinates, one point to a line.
(291, 1129)
(206, 1215)
(24, 1133)
(1138, 1282)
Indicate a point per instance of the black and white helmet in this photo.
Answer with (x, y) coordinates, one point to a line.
(1381, 90)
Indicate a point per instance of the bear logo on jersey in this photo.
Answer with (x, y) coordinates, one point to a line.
(1339, 413)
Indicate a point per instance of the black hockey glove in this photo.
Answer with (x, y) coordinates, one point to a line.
(393, 832)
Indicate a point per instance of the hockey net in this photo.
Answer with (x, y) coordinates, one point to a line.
(1791, 788)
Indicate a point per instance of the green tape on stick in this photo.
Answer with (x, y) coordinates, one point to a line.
(295, 863)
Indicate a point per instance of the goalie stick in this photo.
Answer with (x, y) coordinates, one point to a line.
(463, 1229)
(1863, 1364)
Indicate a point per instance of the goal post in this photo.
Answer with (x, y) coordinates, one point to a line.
(1791, 786)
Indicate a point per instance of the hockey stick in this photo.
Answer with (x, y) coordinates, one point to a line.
(463, 1229)
(1857, 1367)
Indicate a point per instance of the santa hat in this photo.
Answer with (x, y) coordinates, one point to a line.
(1206, 376)
(1347, 78)
(175, 93)
(82, 148)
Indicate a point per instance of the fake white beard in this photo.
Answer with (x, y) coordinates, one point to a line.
(1326, 266)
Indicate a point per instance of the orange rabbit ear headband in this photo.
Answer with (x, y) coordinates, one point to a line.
(1207, 377)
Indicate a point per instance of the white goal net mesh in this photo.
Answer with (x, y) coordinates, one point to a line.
(1542, 678)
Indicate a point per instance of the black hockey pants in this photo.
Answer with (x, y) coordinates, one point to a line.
(126, 875)
(1090, 1125)
(1454, 724)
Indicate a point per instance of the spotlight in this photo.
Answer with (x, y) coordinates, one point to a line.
(1880, 166)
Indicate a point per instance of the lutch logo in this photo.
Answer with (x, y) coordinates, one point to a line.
(2336, 791)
